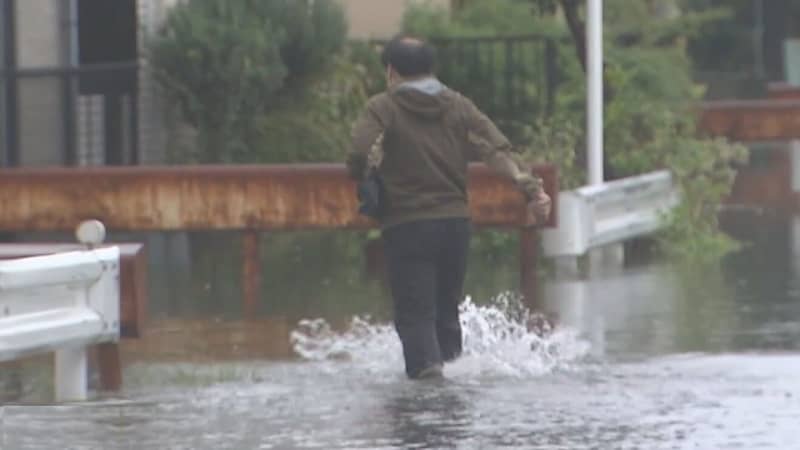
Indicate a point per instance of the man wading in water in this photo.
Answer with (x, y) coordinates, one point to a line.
(419, 137)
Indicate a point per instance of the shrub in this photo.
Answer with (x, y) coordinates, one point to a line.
(224, 64)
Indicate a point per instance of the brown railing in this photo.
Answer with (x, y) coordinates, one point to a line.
(249, 199)
(244, 198)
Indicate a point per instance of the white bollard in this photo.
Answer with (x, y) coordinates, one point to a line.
(71, 375)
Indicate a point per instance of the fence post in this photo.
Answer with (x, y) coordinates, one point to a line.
(70, 374)
(92, 233)
(528, 242)
(251, 271)
(109, 362)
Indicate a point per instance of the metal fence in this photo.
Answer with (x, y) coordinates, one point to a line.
(90, 114)
(505, 76)
(85, 115)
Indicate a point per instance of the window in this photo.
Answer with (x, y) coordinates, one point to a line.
(107, 31)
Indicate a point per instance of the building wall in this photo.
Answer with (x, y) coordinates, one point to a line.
(43, 30)
(40, 43)
(367, 19)
(377, 19)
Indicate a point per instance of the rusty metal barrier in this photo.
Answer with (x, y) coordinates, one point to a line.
(250, 198)
(777, 118)
(187, 198)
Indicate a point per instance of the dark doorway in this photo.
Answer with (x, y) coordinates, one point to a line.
(107, 46)
(107, 31)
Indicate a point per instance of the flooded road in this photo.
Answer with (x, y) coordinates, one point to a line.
(647, 357)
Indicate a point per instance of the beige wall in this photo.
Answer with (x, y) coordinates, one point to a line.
(379, 18)
(40, 32)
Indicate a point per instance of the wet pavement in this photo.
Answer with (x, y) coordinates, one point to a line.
(646, 357)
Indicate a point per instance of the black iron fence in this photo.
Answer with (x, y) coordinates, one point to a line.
(89, 115)
(86, 115)
(505, 76)
(513, 79)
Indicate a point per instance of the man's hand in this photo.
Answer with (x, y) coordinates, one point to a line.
(538, 209)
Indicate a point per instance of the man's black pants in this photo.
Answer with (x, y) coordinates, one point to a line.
(427, 262)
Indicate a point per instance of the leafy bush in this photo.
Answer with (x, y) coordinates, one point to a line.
(225, 64)
(650, 123)
(316, 126)
(492, 72)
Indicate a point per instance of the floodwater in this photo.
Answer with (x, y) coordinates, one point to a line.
(650, 356)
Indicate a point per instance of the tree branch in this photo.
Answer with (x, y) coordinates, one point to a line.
(576, 27)
(578, 30)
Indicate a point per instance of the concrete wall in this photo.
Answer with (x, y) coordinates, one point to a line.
(376, 19)
(39, 33)
(40, 43)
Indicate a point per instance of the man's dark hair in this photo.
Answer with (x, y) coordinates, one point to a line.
(409, 56)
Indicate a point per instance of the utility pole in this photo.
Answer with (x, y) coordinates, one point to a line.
(594, 92)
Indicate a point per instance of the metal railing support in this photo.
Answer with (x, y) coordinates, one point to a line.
(600, 215)
(62, 303)
(71, 374)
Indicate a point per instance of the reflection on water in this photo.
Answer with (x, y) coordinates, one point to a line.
(650, 357)
(305, 274)
(687, 401)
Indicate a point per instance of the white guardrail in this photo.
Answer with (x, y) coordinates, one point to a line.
(61, 303)
(594, 216)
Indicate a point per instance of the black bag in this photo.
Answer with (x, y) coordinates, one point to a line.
(371, 195)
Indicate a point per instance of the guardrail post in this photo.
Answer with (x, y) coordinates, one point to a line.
(528, 241)
(109, 364)
(109, 361)
(251, 272)
(794, 153)
(70, 374)
(71, 363)
(607, 259)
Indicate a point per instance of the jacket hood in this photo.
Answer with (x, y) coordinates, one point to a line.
(423, 97)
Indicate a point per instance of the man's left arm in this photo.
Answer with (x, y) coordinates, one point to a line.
(366, 131)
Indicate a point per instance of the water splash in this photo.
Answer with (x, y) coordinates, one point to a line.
(501, 338)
